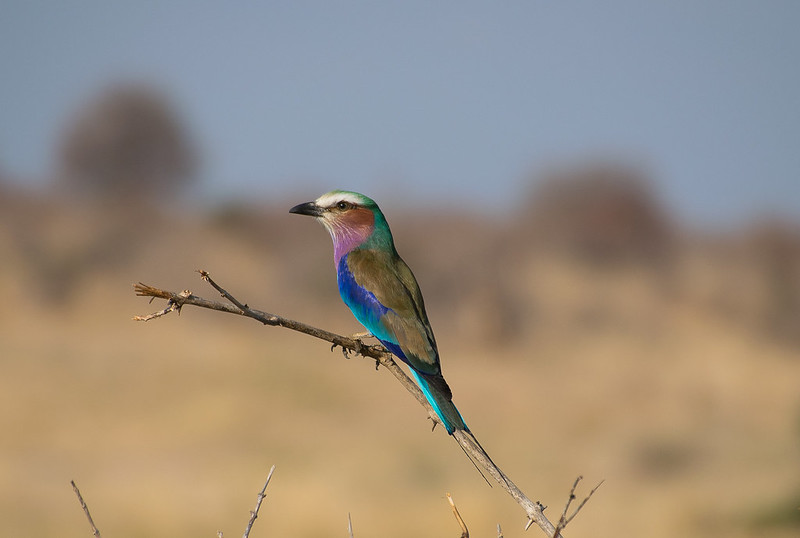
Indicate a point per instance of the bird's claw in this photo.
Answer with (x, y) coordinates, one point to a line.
(344, 350)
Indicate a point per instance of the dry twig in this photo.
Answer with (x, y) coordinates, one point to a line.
(259, 500)
(175, 301)
(464, 530)
(563, 521)
(95, 532)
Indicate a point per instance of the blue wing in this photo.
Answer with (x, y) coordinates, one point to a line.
(367, 309)
(398, 333)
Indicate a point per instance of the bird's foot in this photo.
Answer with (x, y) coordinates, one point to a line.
(358, 338)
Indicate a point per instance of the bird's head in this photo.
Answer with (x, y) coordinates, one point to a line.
(352, 219)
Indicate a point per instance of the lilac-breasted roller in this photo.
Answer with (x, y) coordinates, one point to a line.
(381, 291)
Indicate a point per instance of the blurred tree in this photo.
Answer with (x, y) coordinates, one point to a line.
(774, 246)
(599, 212)
(126, 142)
(123, 148)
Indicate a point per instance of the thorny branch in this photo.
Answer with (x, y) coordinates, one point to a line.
(175, 301)
(564, 520)
(259, 500)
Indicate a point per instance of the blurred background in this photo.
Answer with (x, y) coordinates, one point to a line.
(601, 203)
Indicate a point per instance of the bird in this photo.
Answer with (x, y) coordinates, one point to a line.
(382, 292)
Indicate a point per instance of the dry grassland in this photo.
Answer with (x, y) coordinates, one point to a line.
(624, 373)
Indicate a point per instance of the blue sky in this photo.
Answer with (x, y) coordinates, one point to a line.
(454, 103)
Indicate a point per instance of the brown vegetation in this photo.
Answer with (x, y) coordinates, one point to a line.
(664, 383)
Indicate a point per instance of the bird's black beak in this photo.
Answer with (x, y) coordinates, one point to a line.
(309, 208)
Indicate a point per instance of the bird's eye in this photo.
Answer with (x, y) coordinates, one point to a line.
(342, 205)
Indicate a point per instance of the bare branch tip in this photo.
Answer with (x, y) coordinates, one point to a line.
(142, 289)
(459, 519)
(95, 531)
(259, 499)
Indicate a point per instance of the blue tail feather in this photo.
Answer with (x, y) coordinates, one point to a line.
(441, 403)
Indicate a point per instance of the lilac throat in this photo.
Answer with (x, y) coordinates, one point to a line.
(347, 238)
